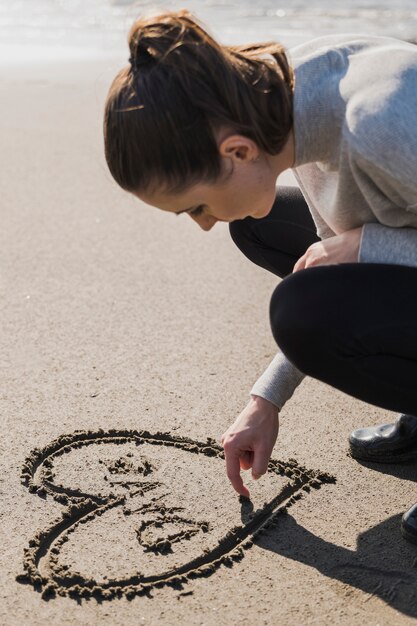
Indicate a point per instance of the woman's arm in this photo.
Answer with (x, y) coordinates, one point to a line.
(382, 244)
(372, 243)
(278, 382)
(248, 443)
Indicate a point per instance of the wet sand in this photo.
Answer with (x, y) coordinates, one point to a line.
(122, 323)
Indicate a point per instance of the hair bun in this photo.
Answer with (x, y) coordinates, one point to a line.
(140, 55)
(154, 38)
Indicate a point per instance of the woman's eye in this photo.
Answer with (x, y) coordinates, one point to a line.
(197, 211)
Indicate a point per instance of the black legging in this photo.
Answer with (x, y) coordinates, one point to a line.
(353, 326)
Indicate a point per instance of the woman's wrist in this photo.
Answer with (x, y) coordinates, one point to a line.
(263, 403)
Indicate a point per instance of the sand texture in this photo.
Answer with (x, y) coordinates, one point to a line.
(129, 342)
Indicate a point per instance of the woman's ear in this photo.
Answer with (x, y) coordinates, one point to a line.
(239, 148)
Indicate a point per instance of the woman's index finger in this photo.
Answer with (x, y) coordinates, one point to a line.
(233, 472)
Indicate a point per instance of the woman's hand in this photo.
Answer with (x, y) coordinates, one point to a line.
(342, 248)
(249, 441)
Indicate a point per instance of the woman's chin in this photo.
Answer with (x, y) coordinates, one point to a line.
(261, 213)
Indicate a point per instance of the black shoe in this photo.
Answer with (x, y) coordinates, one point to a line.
(386, 443)
(409, 524)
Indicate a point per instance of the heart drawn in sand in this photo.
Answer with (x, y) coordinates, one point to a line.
(144, 510)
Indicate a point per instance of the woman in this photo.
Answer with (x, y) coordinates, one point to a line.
(203, 129)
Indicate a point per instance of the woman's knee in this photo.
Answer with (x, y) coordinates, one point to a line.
(242, 234)
(297, 320)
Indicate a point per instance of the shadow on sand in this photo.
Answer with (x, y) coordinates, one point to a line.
(383, 564)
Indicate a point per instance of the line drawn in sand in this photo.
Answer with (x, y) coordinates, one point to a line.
(148, 497)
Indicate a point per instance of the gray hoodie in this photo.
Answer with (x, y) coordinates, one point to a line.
(355, 128)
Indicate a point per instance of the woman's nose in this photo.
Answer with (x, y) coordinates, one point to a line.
(206, 222)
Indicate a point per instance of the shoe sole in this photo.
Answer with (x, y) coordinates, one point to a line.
(409, 536)
(401, 456)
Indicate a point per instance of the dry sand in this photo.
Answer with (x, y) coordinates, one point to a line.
(121, 323)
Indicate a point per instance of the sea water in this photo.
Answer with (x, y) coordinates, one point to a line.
(100, 26)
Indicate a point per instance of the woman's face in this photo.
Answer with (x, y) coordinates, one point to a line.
(247, 188)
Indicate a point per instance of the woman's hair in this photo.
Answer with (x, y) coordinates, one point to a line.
(162, 110)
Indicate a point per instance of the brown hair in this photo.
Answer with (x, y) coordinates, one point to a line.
(162, 111)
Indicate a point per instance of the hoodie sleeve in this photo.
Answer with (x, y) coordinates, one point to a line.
(278, 382)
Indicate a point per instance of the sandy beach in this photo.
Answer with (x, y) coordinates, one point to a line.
(129, 341)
